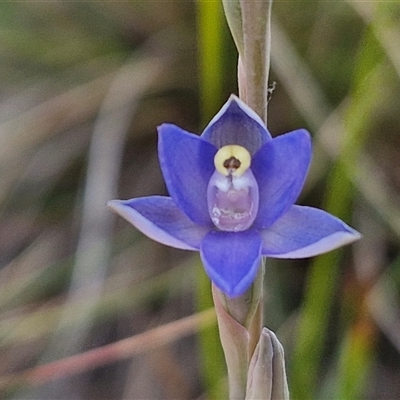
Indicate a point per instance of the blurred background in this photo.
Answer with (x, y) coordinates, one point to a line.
(83, 87)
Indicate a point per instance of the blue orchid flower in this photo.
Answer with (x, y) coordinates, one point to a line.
(232, 198)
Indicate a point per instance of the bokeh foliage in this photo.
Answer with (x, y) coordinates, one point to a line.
(84, 85)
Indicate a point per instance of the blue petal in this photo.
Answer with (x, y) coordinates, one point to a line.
(237, 123)
(161, 220)
(187, 162)
(280, 168)
(305, 232)
(231, 259)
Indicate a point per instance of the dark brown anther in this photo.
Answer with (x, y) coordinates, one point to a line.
(232, 163)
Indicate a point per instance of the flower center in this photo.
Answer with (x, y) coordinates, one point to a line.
(232, 192)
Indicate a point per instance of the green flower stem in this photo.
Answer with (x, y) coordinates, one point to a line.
(233, 14)
(250, 25)
(256, 22)
(240, 324)
(240, 319)
(234, 339)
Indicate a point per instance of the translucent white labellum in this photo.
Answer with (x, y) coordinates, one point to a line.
(232, 192)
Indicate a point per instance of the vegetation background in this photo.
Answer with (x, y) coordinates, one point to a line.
(84, 85)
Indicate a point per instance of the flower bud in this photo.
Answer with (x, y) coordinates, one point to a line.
(266, 378)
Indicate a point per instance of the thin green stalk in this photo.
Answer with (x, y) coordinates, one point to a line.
(256, 22)
(210, 42)
(357, 354)
(210, 23)
(250, 25)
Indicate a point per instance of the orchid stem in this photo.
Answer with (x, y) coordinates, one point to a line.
(254, 63)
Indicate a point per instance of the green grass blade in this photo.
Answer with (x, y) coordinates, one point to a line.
(210, 42)
(324, 269)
